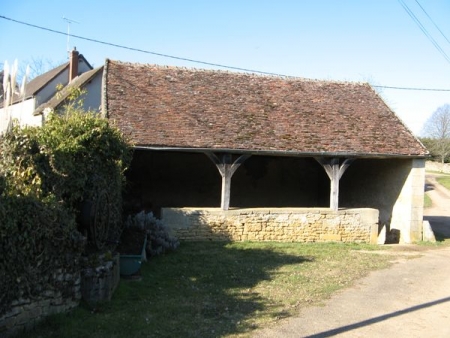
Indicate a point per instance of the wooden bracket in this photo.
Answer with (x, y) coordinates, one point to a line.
(334, 170)
(226, 169)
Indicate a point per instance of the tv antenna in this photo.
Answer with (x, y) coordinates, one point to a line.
(69, 21)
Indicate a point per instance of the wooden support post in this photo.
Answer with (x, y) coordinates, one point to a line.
(334, 171)
(226, 169)
(226, 173)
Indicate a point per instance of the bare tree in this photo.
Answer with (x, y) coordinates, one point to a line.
(28, 69)
(38, 66)
(437, 129)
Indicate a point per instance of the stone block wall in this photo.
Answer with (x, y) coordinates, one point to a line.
(91, 284)
(25, 313)
(99, 283)
(438, 167)
(273, 224)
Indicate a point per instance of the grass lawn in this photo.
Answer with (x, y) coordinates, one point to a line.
(210, 289)
(444, 180)
(427, 202)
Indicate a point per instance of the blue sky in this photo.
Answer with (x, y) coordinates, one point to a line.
(372, 41)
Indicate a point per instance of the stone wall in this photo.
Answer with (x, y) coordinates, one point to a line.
(25, 313)
(407, 213)
(393, 186)
(437, 166)
(91, 284)
(99, 283)
(273, 224)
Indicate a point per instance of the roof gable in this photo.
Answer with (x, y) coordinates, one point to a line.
(36, 84)
(78, 82)
(183, 108)
(41, 81)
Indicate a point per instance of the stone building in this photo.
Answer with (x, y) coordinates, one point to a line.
(213, 147)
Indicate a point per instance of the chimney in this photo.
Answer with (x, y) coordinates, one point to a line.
(73, 64)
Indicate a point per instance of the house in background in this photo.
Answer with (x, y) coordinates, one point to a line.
(41, 91)
(205, 139)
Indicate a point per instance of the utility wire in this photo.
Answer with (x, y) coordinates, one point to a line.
(195, 61)
(409, 88)
(429, 17)
(424, 31)
(144, 51)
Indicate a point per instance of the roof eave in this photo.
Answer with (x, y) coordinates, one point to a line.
(281, 152)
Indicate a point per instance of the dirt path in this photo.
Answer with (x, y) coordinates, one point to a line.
(410, 299)
(439, 213)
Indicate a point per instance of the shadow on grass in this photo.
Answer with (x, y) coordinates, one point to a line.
(204, 289)
(207, 287)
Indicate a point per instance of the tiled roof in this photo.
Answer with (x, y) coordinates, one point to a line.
(172, 107)
(56, 100)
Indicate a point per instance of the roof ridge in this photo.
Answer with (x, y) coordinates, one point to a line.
(238, 73)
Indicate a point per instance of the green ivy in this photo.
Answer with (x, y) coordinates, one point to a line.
(72, 157)
(46, 174)
(85, 149)
(19, 154)
(37, 238)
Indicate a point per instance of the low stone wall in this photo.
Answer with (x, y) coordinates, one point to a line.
(273, 224)
(437, 166)
(25, 313)
(99, 283)
(91, 284)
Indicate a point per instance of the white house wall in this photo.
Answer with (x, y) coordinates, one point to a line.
(92, 99)
(23, 112)
(50, 89)
(63, 78)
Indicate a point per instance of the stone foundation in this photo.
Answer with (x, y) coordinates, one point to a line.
(99, 283)
(273, 224)
(91, 284)
(25, 313)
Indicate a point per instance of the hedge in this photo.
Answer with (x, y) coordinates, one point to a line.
(47, 175)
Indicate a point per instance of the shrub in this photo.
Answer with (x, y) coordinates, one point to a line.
(37, 238)
(46, 175)
(19, 165)
(159, 239)
(88, 159)
(76, 158)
